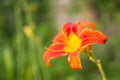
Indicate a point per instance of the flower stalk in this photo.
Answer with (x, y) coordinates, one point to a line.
(96, 61)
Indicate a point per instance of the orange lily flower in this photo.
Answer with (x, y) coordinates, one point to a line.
(73, 39)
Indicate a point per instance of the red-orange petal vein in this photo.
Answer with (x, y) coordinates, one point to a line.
(70, 28)
(90, 36)
(54, 51)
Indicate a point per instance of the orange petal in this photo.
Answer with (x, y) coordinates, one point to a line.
(69, 27)
(74, 61)
(90, 36)
(59, 38)
(86, 24)
(54, 51)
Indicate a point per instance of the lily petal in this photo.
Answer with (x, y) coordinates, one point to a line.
(85, 24)
(59, 38)
(69, 27)
(90, 36)
(54, 51)
(74, 61)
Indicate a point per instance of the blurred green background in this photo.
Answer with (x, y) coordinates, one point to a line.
(28, 26)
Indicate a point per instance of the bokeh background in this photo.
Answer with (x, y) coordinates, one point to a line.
(28, 26)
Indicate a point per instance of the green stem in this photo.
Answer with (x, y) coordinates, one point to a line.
(27, 11)
(19, 40)
(99, 65)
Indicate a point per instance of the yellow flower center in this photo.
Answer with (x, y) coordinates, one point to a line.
(72, 43)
